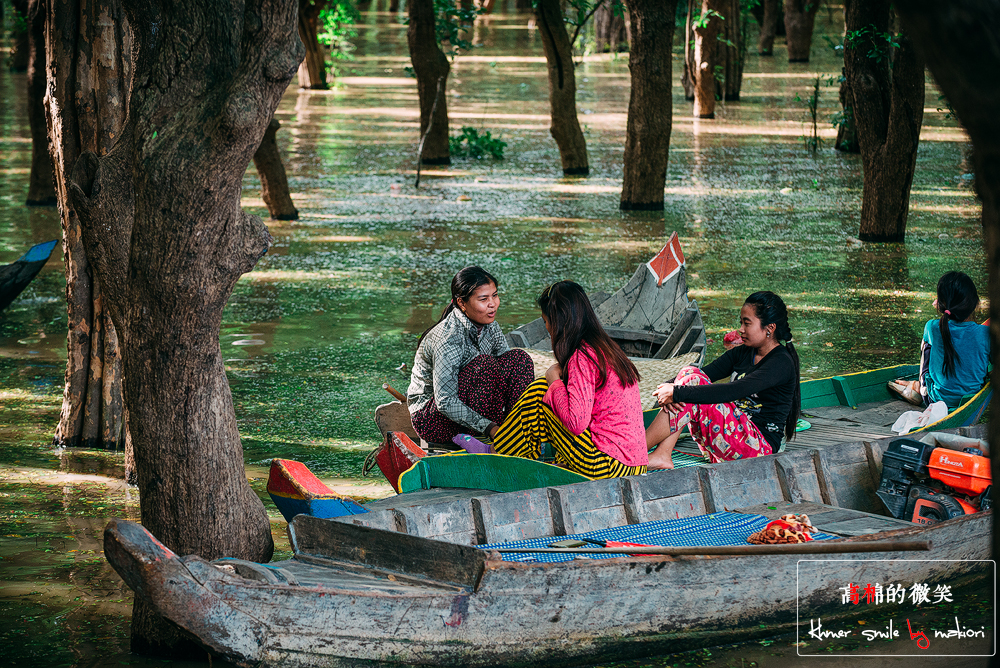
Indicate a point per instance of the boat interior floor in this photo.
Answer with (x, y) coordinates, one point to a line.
(343, 574)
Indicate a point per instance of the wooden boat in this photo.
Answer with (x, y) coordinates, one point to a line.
(406, 584)
(650, 317)
(295, 490)
(14, 277)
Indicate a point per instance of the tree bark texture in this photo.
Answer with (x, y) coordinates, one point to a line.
(431, 68)
(768, 26)
(565, 126)
(610, 33)
(847, 134)
(886, 96)
(958, 42)
(731, 52)
(312, 70)
(20, 49)
(647, 133)
(273, 181)
(706, 52)
(163, 227)
(800, 16)
(41, 187)
(89, 75)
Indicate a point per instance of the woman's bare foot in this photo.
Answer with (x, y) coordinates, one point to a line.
(660, 458)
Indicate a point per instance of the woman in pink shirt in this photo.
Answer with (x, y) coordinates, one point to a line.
(588, 405)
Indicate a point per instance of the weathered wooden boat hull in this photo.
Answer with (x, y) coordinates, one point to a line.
(357, 596)
(16, 276)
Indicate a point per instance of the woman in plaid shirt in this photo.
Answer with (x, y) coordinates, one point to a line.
(465, 377)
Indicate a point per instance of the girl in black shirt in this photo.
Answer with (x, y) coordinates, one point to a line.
(742, 418)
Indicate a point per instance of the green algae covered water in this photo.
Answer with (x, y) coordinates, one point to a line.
(335, 307)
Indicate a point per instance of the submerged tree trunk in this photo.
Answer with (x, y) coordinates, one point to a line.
(800, 16)
(609, 30)
(768, 26)
(886, 91)
(732, 52)
(706, 49)
(166, 236)
(958, 41)
(41, 188)
(312, 70)
(85, 105)
(565, 127)
(273, 181)
(431, 68)
(647, 134)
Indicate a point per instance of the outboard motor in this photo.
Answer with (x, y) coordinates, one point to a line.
(925, 484)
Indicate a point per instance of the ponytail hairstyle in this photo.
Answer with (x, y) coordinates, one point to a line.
(463, 286)
(956, 300)
(572, 322)
(769, 309)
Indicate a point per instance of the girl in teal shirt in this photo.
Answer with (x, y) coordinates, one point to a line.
(955, 352)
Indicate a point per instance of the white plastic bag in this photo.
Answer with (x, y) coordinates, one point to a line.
(911, 420)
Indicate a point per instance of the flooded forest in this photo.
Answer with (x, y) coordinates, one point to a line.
(335, 307)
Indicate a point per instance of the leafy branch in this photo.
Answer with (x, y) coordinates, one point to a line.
(878, 43)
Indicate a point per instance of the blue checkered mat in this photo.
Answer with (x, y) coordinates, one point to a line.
(724, 528)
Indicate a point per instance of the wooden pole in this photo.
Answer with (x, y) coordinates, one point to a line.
(812, 547)
(399, 396)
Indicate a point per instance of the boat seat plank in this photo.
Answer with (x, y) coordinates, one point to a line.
(513, 516)
(589, 506)
(451, 521)
(740, 483)
(797, 476)
(320, 572)
(650, 498)
(436, 560)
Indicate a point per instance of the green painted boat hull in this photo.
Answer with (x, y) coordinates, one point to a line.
(497, 473)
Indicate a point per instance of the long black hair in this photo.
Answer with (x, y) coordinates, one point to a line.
(956, 300)
(770, 308)
(573, 322)
(463, 286)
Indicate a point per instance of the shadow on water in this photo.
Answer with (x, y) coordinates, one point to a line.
(334, 309)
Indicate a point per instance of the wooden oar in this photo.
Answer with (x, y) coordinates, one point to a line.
(399, 396)
(811, 547)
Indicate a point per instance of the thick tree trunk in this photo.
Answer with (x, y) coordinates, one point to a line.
(731, 52)
(647, 134)
(85, 105)
(565, 126)
(768, 26)
(393, 6)
(958, 42)
(431, 68)
(41, 188)
(800, 16)
(163, 228)
(312, 70)
(706, 50)
(887, 100)
(609, 30)
(273, 181)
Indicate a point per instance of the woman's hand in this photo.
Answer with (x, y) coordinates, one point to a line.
(492, 430)
(664, 394)
(553, 373)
